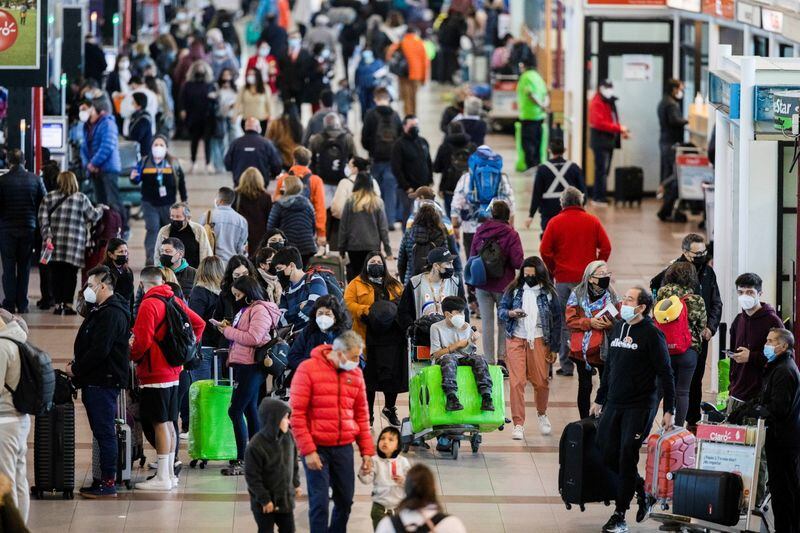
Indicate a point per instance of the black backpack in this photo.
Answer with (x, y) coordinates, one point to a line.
(494, 259)
(423, 244)
(400, 528)
(459, 165)
(37, 381)
(332, 159)
(385, 137)
(398, 64)
(179, 344)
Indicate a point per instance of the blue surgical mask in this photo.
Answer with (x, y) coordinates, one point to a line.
(627, 312)
(769, 352)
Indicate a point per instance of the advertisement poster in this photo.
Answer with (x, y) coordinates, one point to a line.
(721, 457)
(19, 34)
(637, 67)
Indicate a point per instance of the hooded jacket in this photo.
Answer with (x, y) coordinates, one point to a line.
(695, 307)
(329, 405)
(751, 332)
(10, 367)
(21, 192)
(101, 346)
(151, 366)
(369, 132)
(443, 164)
(604, 124)
(411, 162)
(313, 189)
(251, 330)
(294, 215)
(507, 237)
(270, 461)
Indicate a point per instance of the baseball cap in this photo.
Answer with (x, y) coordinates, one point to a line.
(439, 255)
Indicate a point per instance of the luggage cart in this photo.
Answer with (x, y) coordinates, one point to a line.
(505, 108)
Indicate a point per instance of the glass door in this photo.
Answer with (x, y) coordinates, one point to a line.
(787, 232)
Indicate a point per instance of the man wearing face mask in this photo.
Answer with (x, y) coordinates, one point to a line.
(172, 252)
(221, 56)
(191, 234)
(295, 66)
(672, 124)
(100, 369)
(328, 389)
(411, 165)
(299, 291)
(749, 332)
(604, 135)
(638, 359)
(265, 61)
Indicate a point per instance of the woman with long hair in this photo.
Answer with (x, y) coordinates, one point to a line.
(375, 284)
(363, 227)
(254, 204)
(280, 133)
(591, 311)
(198, 100)
(426, 233)
(117, 262)
(63, 216)
(255, 99)
(269, 282)
(238, 266)
(531, 313)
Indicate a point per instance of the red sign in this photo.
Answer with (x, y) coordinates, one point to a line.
(8, 30)
(719, 8)
(730, 434)
(647, 3)
(692, 160)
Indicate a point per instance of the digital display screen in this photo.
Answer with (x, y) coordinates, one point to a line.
(53, 135)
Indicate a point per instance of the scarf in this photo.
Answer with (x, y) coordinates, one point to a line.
(531, 308)
(589, 309)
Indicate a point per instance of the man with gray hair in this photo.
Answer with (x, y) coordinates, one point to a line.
(191, 234)
(331, 150)
(253, 150)
(329, 390)
(573, 239)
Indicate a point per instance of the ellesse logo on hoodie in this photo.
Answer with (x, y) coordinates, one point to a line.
(624, 340)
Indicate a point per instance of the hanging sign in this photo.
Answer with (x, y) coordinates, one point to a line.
(772, 20)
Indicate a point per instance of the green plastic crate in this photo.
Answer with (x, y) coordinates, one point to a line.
(427, 400)
(210, 428)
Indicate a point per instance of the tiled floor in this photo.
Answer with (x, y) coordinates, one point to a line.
(508, 486)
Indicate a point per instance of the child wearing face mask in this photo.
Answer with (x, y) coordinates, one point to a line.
(328, 319)
(388, 476)
(453, 344)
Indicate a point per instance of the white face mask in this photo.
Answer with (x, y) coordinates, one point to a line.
(89, 295)
(607, 92)
(347, 365)
(159, 152)
(325, 322)
(251, 80)
(348, 171)
(747, 302)
(83, 115)
(458, 321)
(679, 95)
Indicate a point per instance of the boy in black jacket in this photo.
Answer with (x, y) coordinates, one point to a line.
(271, 469)
(628, 397)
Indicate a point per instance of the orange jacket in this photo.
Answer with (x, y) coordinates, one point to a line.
(317, 195)
(359, 297)
(414, 50)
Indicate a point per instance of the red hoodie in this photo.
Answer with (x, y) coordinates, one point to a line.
(572, 240)
(151, 366)
(329, 406)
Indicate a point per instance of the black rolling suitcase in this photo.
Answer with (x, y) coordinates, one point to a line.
(54, 452)
(706, 495)
(628, 185)
(582, 475)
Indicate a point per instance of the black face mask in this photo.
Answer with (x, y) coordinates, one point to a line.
(375, 271)
(120, 260)
(176, 225)
(413, 132)
(603, 283)
(238, 305)
(700, 261)
(283, 278)
(276, 245)
(530, 281)
(166, 260)
(447, 273)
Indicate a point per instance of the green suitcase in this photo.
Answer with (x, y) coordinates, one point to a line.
(210, 428)
(427, 400)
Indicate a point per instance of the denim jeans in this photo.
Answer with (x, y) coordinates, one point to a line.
(16, 248)
(187, 378)
(338, 474)
(382, 172)
(602, 166)
(101, 410)
(244, 404)
(564, 290)
(155, 217)
(494, 343)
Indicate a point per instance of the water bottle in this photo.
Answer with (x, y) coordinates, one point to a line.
(47, 253)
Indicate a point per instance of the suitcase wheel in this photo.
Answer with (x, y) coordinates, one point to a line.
(582, 507)
(128, 484)
(475, 442)
(68, 495)
(607, 503)
(193, 463)
(203, 464)
(405, 447)
(454, 449)
(569, 506)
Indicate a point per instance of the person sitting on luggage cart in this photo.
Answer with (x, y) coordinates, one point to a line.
(638, 359)
(453, 344)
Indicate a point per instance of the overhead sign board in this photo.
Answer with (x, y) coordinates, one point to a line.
(719, 8)
(748, 14)
(628, 3)
(772, 20)
(694, 6)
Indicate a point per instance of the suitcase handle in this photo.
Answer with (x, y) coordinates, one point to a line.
(217, 353)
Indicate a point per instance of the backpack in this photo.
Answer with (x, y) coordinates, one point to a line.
(672, 318)
(398, 64)
(385, 137)
(179, 344)
(332, 159)
(37, 381)
(459, 165)
(494, 259)
(398, 526)
(423, 244)
(209, 227)
(334, 287)
(486, 176)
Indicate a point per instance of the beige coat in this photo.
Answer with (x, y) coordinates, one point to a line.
(9, 366)
(199, 234)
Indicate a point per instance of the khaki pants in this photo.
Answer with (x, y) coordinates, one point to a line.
(527, 364)
(408, 94)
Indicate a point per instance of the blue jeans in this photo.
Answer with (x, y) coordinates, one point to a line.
(155, 217)
(602, 166)
(101, 410)
(16, 248)
(187, 378)
(382, 172)
(338, 474)
(244, 404)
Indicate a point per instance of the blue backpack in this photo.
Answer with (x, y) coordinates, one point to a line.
(485, 176)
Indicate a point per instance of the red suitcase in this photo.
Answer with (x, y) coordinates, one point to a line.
(667, 451)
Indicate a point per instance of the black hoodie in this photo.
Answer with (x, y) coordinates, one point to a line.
(637, 355)
(369, 133)
(270, 461)
(101, 348)
(443, 163)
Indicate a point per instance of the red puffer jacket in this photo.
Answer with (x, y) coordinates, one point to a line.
(151, 366)
(329, 406)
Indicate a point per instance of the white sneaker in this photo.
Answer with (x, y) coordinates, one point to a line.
(183, 436)
(152, 466)
(518, 433)
(545, 428)
(190, 169)
(211, 169)
(175, 482)
(156, 484)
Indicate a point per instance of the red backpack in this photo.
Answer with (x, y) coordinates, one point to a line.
(674, 327)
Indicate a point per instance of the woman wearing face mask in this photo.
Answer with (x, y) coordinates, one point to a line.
(238, 266)
(345, 187)
(117, 262)
(162, 178)
(376, 284)
(254, 99)
(531, 312)
(249, 329)
(117, 81)
(273, 238)
(592, 309)
(269, 282)
(294, 215)
(363, 227)
(427, 232)
(328, 320)
(198, 100)
(266, 64)
(604, 135)
(226, 109)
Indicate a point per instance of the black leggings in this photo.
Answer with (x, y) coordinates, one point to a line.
(356, 263)
(585, 386)
(389, 400)
(197, 133)
(64, 279)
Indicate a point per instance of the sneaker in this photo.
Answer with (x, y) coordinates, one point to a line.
(175, 482)
(93, 486)
(518, 433)
(390, 414)
(486, 403)
(545, 428)
(102, 490)
(152, 466)
(599, 203)
(190, 168)
(211, 169)
(184, 435)
(616, 524)
(176, 468)
(233, 470)
(641, 501)
(563, 373)
(453, 404)
(155, 484)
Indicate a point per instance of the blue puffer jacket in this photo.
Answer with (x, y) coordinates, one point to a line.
(549, 315)
(100, 145)
(294, 215)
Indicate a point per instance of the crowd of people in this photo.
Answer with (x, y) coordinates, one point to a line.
(227, 280)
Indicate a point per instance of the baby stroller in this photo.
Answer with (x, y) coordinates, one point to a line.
(428, 418)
